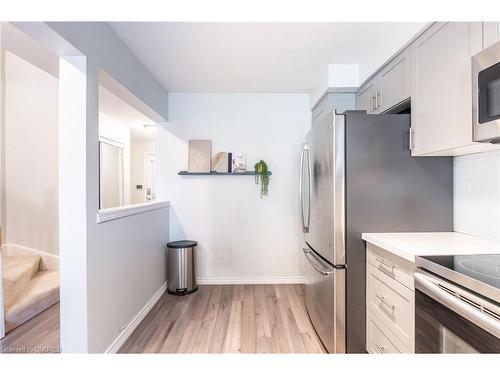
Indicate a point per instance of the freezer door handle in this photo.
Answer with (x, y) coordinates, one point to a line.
(317, 263)
(305, 149)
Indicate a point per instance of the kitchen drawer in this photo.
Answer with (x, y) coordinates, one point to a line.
(379, 339)
(393, 303)
(395, 267)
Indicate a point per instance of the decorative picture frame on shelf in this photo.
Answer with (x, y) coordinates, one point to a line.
(239, 163)
(200, 155)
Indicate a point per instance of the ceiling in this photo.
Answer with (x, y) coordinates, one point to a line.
(258, 57)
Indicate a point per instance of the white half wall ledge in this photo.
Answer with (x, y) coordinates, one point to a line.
(116, 213)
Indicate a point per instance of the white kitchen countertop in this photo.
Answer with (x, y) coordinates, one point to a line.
(410, 245)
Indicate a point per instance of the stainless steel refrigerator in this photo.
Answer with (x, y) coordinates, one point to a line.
(356, 176)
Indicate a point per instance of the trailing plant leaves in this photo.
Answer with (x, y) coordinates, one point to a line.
(262, 177)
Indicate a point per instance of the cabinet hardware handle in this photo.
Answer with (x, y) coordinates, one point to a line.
(390, 267)
(376, 100)
(384, 301)
(411, 138)
(381, 348)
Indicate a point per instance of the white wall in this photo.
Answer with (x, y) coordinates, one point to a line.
(109, 271)
(125, 259)
(137, 171)
(240, 235)
(127, 265)
(476, 190)
(111, 129)
(31, 156)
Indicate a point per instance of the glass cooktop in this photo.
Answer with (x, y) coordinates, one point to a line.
(484, 268)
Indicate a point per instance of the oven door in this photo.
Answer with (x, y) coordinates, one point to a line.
(486, 94)
(449, 319)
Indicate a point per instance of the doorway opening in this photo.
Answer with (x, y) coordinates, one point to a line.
(29, 178)
(111, 171)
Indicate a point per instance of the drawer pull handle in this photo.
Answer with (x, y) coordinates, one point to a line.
(389, 267)
(381, 348)
(384, 301)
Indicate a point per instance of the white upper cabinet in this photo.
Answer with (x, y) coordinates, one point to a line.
(388, 88)
(435, 72)
(491, 33)
(394, 82)
(441, 89)
(441, 97)
(367, 96)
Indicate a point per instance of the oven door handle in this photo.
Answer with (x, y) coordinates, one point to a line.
(430, 286)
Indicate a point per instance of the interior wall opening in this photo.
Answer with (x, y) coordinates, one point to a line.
(29, 178)
(127, 150)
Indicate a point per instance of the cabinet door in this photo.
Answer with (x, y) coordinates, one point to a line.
(380, 339)
(394, 82)
(366, 97)
(441, 88)
(491, 33)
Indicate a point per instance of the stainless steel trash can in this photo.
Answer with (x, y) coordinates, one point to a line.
(181, 267)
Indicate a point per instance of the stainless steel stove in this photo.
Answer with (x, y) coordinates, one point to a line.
(457, 304)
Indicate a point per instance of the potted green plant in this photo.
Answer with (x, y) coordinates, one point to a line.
(262, 177)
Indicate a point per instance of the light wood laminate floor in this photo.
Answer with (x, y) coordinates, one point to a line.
(228, 319)
(216, 319)
(38, 335)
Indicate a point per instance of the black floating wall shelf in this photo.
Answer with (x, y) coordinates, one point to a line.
(247, 173)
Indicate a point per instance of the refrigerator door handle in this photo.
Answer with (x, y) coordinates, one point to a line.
(316, 263)
(301, 193)
(339, 190)
(305, 227)
(309, 189)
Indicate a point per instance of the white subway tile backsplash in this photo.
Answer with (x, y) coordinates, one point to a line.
(476, 194)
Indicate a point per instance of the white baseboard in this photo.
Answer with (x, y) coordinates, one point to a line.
(49, 261)
(134, 323)
(214, 280)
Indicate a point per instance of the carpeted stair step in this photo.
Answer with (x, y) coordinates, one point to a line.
(41, 292)
(17, 271)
